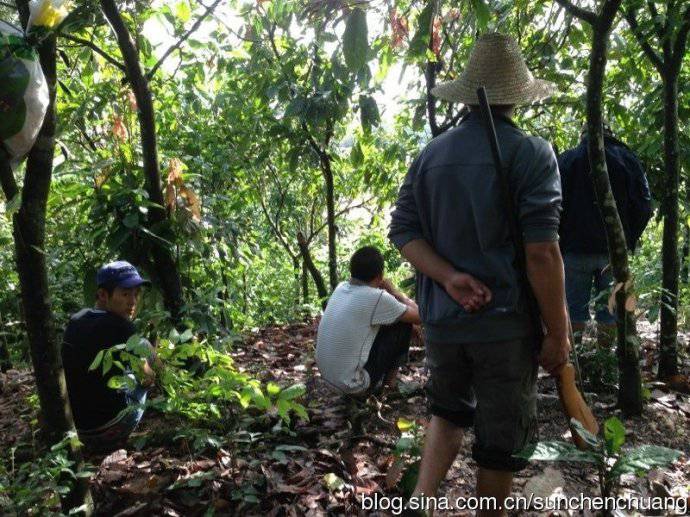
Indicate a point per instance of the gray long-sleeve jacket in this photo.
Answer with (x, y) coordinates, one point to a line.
(451, 198)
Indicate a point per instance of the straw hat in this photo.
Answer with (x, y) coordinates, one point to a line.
(496, 63)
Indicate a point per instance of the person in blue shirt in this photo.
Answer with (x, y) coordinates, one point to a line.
(583, 244)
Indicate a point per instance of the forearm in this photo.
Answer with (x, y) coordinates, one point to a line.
(545, 274)
(398, 295)
(425, 259)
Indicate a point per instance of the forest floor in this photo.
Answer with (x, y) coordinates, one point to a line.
(307, 469)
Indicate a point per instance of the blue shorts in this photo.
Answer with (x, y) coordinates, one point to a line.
(582, 273)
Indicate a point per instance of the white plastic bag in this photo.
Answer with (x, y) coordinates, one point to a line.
(23, 92)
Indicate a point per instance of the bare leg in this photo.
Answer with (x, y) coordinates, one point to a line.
(496, 484)
(441, 445)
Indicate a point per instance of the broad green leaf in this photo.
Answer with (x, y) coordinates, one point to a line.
(284, 409)
(356, 155)
(369, 113)
(583, 433)
(614, 435)
(420, 41)
(481, 11)
(183, 12)
(272, 388)
(355, 40)
(557, 451)
(643, 458)
(97, 360)
(293, 392)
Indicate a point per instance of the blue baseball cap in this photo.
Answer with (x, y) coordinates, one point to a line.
(119, 274)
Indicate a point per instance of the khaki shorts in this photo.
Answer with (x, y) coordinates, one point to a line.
(491, 386)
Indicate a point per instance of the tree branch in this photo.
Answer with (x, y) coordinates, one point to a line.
(658, 27)
(579, 12)
(681, 40)
(651, 54)
(98, 50)
(184, 38)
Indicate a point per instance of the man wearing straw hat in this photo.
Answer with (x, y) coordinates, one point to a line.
(449, 219)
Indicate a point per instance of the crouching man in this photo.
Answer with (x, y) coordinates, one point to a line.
(364, 334)
(104, 416)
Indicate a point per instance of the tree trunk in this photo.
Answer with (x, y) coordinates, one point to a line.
(330, 218)
(305, 282)
(5, 360)
(297, 270)
(630, 389)
(167, 273)
(685, 257)
(668, 356)
(309, 263)
(29, 243)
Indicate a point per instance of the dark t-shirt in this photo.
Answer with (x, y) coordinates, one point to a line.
(89, 331)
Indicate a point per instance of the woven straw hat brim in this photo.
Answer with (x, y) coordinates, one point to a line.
(464, 90)
(496, 63)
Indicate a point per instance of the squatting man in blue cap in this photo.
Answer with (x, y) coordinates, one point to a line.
(105, 416)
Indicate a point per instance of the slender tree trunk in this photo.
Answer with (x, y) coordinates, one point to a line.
(167, 273)
(297, 271)
(225, 318)
(685, 257)
(5, 361)
(330, 218)
(29, 243)
(313, 270)
(305, 282)
(668, 357)
(630, 390)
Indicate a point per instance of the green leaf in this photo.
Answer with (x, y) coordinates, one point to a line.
(333, 482)
(643, 458)
(356, 155)
(187, 335)
(583, 433)
(614, 435)
(369, 113)
(107, 363)
(557, 451)
(355, 40)
(420, 40)
(293, 392)
(183, 12)
(404, 424)
(284, 407)
(482, 12)
(272, 388)
(97, 360)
